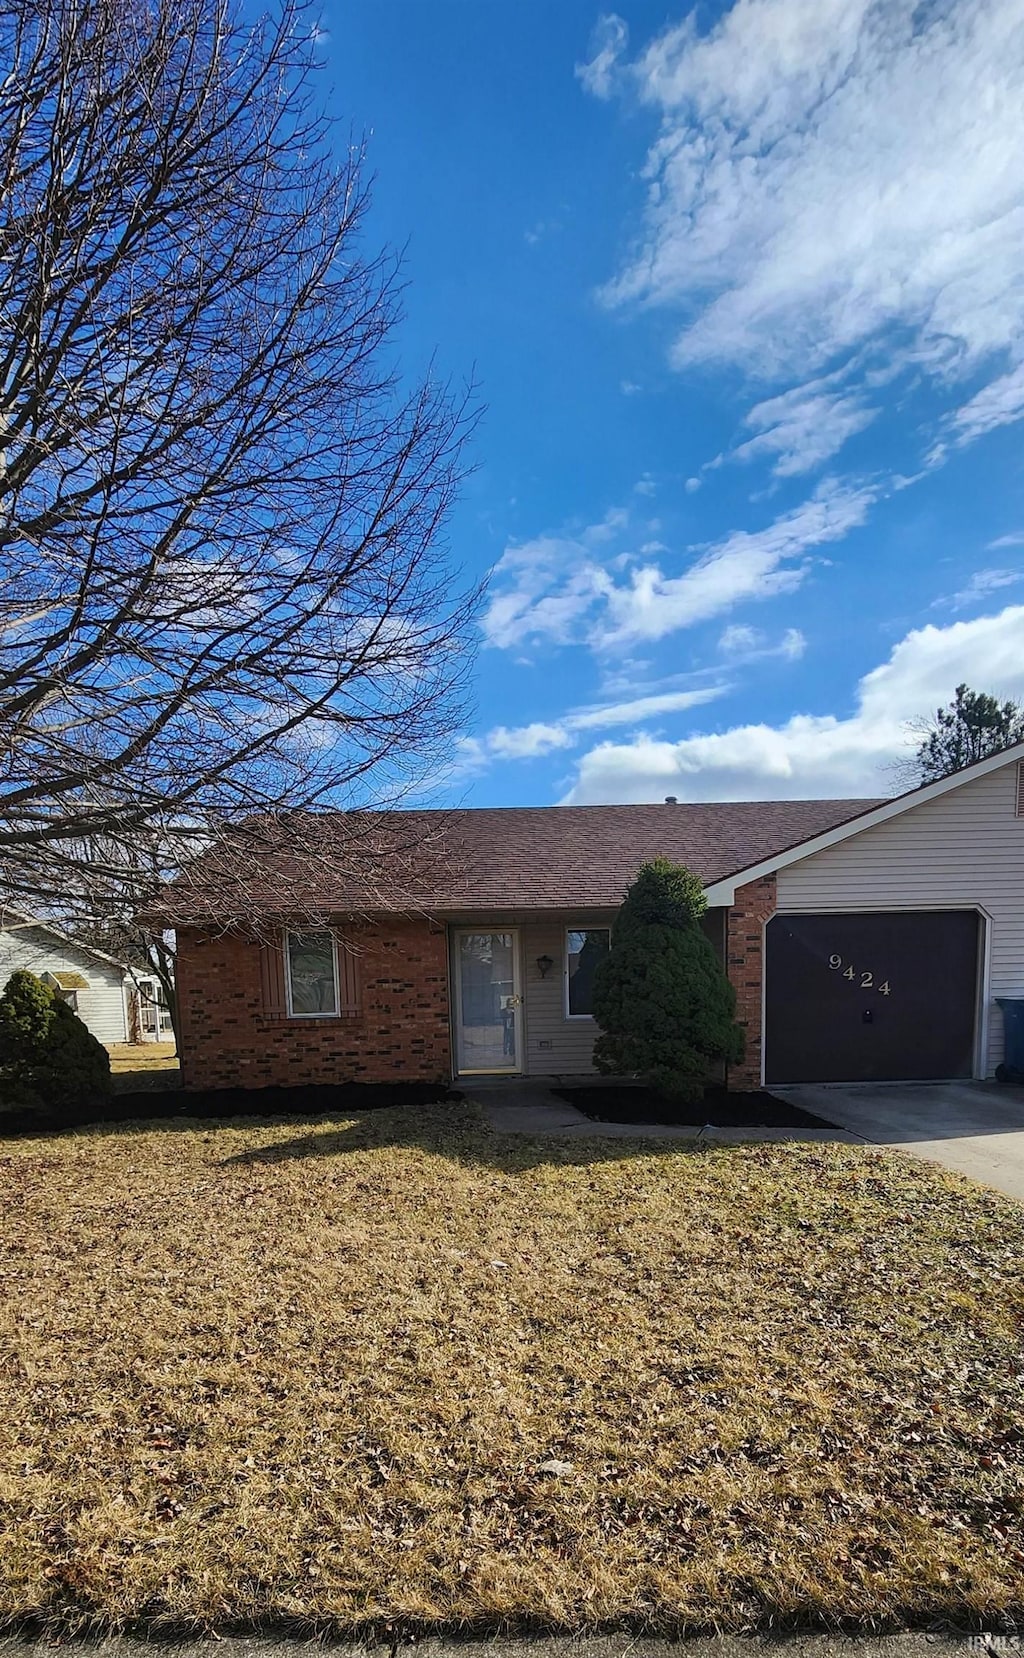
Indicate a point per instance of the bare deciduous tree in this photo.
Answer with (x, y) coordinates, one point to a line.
(224, 585)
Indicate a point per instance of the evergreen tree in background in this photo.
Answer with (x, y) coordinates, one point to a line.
(971, 727)
(665, 1007)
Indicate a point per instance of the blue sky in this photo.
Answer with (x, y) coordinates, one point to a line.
(743, 288)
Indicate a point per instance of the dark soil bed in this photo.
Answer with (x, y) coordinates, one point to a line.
(613, 1103)
(311, 1101)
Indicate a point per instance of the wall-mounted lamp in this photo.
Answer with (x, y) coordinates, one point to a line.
(544, 966)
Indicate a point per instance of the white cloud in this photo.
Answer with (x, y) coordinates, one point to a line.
(647, 707)
(558, 587)
(746, 644)
(542, 588)
(1016, 539)
(996, 404)
(839, 177)
(607, 44)
(526, 742)
(747, 565)
(739, 639)
(814, 755)
(531, 742)
(981, 584)
(804, 427)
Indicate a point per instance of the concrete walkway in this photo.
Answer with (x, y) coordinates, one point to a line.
(529, 1105)
(976, 1128)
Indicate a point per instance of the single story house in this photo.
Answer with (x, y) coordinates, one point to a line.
(866, 940)
(116, 1004)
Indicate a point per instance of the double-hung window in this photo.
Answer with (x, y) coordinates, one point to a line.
(585, 949)
(311, 975)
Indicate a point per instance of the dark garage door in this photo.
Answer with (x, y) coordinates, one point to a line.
(861, 998)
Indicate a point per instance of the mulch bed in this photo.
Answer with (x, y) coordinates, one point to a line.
(612, 1103)
(314, 1100)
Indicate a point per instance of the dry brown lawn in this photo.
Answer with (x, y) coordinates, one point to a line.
(397, 1370)
(149, 1066)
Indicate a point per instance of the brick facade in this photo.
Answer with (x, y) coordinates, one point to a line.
(744, 954)
(401, 1033)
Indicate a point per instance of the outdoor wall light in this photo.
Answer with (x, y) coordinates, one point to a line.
(544, 966)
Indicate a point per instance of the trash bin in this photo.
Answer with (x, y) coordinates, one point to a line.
(1012, 1068)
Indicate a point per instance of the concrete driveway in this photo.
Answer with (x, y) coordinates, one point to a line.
(976, 1128)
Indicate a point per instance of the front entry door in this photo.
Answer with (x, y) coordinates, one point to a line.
(488, 1004)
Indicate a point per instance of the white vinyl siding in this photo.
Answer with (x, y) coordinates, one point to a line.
(964, 848)
(555, 1045)
(101, 1007)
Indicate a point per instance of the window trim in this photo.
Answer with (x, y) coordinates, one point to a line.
(566, 1012)
(304, 932)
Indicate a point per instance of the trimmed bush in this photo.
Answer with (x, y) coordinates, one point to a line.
(664, 1005)
(49, 1060)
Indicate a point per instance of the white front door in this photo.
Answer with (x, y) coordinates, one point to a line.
(488, 1001)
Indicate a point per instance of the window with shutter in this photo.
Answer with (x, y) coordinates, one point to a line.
(309, 975)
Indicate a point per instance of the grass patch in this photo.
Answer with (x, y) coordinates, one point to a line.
(401, 1371)
(150, 1067)
(143, 1056)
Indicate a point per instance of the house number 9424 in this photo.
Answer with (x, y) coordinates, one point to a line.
(864, 978)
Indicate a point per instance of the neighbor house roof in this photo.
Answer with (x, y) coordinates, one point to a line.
(485, 859)
(16, 921)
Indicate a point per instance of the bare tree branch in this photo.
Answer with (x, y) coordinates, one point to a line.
(224, 580)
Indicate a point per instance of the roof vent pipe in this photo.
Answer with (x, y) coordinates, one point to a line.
(671, 800)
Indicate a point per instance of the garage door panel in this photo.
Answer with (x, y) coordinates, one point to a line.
(871, 997)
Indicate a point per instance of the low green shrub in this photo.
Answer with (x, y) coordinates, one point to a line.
(49, 1060)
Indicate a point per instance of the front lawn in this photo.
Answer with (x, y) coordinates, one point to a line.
(149, 1067)
(396, 1370)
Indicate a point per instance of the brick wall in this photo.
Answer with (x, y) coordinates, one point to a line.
(228, 1039)
(752, 907)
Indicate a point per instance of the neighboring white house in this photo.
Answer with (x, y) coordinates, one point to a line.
(116, 1005)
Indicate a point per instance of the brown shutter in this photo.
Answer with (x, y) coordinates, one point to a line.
(1020, 788)
(349, 999)
(275, 1004)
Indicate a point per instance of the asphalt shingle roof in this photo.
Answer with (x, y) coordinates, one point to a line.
(489, 858)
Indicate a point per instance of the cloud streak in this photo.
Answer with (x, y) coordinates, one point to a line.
(608, 43)
(542, 737)
(981, 584)
(584, 589)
